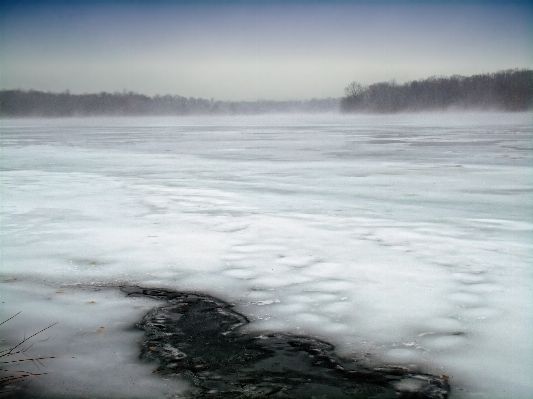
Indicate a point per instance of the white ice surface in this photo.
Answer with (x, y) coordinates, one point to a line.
(403, 239)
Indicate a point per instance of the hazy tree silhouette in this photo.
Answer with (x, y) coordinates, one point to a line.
(510, 90)
(19, 103)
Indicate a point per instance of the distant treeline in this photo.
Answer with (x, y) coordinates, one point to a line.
(510, 90)
(19, 103)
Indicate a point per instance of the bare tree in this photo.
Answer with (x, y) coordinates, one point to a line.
(354, 89)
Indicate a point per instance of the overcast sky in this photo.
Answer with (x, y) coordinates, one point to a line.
(249, 50)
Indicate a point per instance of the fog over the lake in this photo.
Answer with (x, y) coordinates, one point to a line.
(251, 50)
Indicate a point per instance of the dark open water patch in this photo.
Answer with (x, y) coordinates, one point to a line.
(199, 337)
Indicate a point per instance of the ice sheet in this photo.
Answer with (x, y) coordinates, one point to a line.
(401, 239)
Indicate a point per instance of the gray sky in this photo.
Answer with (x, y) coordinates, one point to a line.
(249, 50)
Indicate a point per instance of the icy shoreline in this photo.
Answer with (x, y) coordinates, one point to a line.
(196, 340)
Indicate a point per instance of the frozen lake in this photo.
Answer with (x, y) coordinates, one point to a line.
(403, 239)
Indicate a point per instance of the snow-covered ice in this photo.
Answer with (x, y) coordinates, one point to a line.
(403, 239)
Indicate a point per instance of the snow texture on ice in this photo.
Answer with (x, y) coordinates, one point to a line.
(404, 239)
